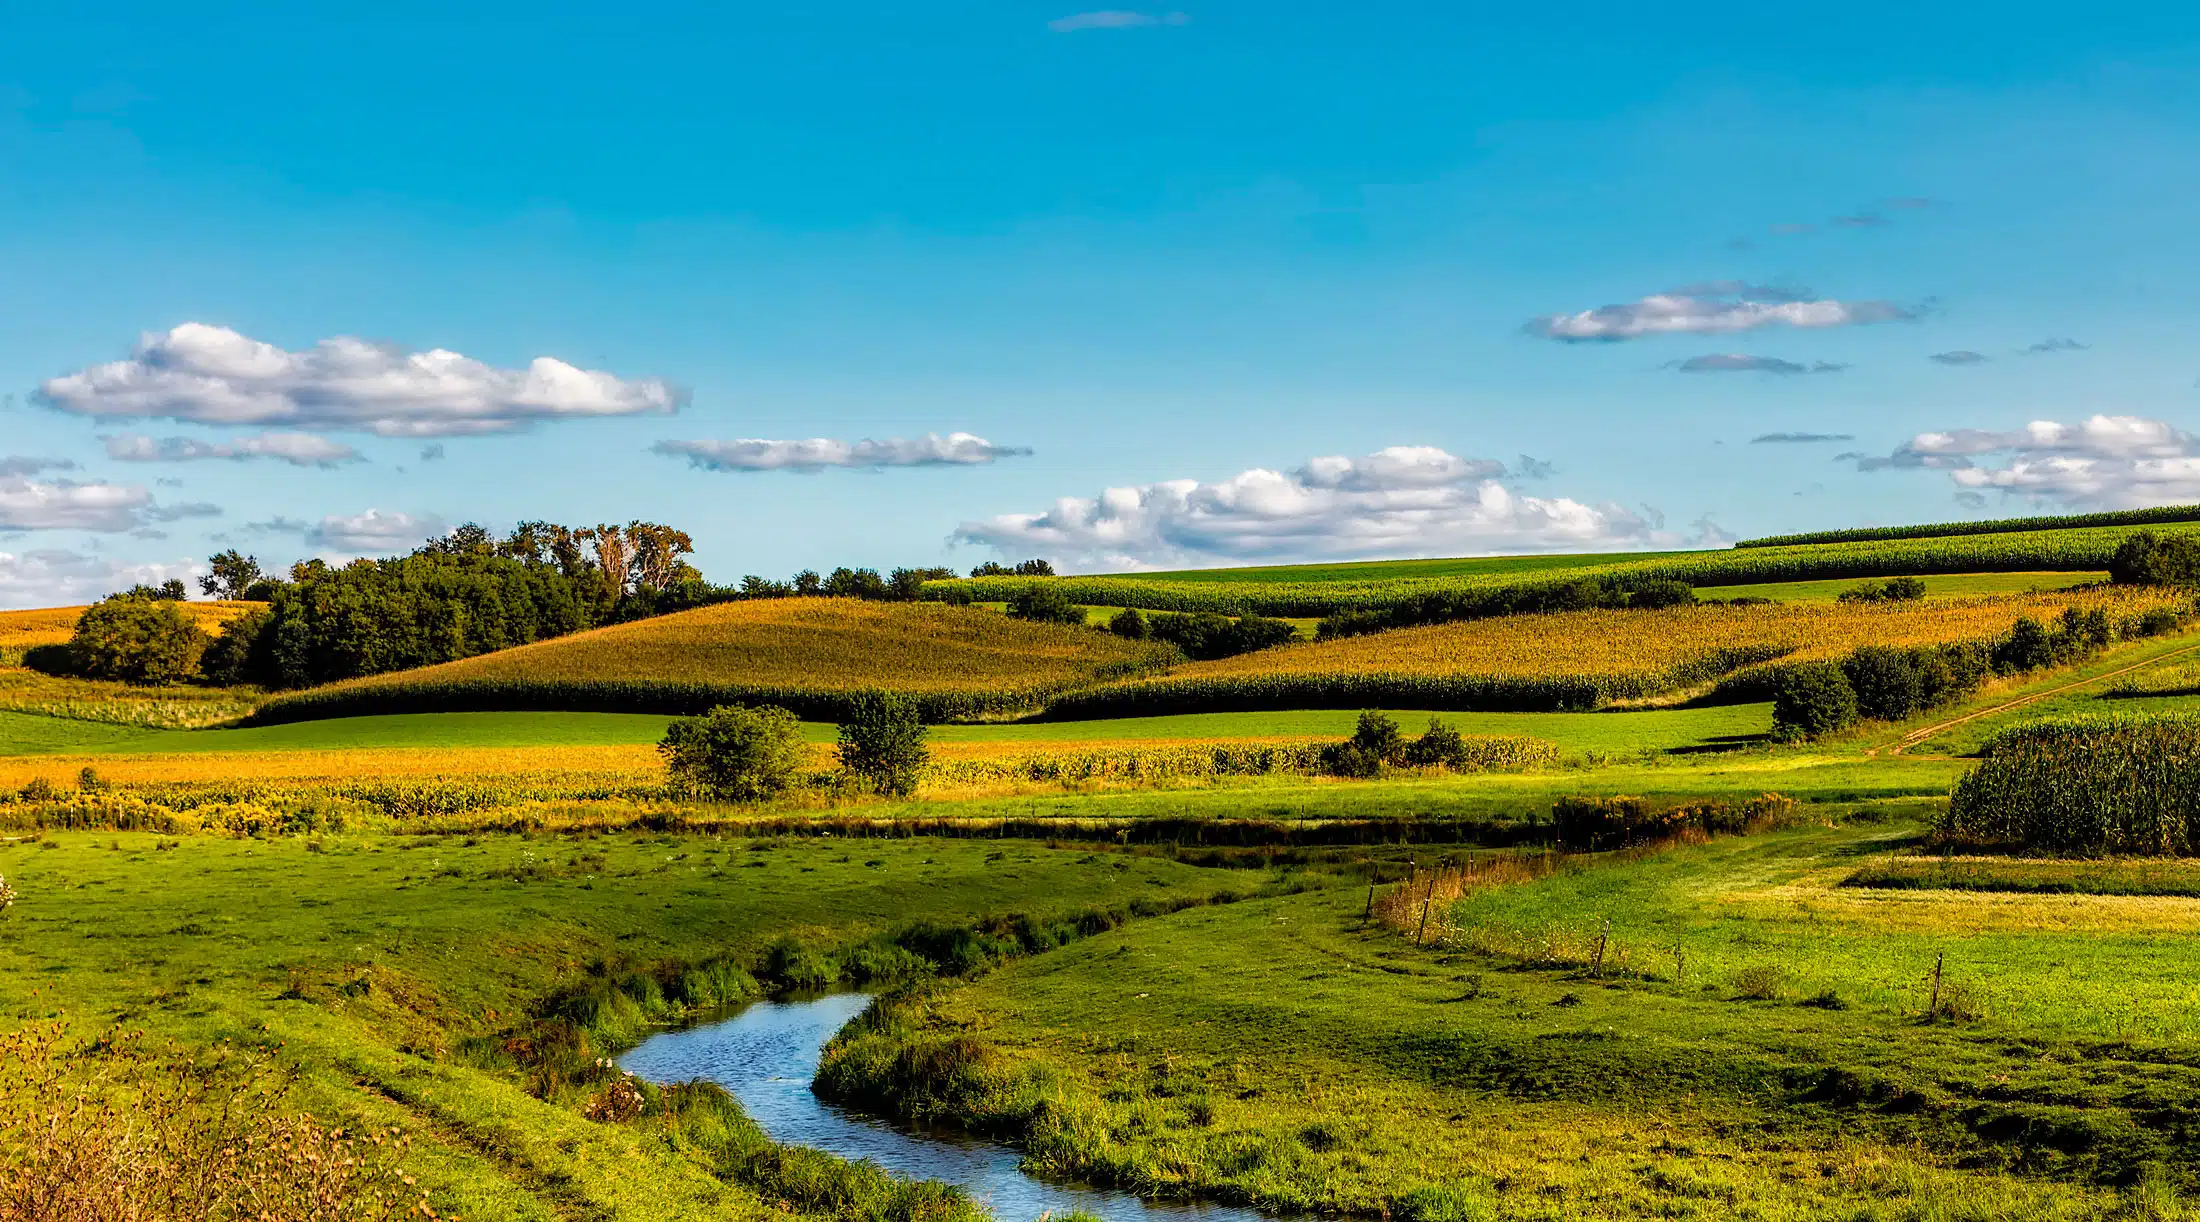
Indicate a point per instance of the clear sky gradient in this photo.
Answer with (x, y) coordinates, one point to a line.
(1177, 243)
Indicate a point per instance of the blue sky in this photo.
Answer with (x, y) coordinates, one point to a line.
(1186, 252)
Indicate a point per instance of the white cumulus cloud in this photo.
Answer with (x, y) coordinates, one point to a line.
(1401, 501)
(1715, 308)
(818, 453)
(297, 449)
(213, 375)
(374, 533)
(2110, 462)
(56, 578)
(28, 504)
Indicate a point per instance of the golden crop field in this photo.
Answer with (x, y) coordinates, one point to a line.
(1581, 658)
(804, 653)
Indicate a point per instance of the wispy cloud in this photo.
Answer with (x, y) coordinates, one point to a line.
(1114, 19)
(1404, 500)
(1799, 438)
(213, 375)
(1736, 362)
(1713, 308)
(24, 465)
(1960, 356)
(2054, 344)
(820, 453)
(297, 449)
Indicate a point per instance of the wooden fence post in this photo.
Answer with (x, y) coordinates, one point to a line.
(1933, 1011)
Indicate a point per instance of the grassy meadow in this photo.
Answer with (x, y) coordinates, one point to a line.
(1756, 1044)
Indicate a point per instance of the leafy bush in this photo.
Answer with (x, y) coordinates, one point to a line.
(137, 640)
(1439, 746)
(1658, 595)
(1045, 604)
(1811, 699)
(1207, 636)
(1895, 590)
(882, 743)
(2156, 560)
(734, 753)
(1130, 625)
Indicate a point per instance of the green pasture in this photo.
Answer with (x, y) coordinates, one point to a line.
(1696, 729)
(369, 961)
(1754, 1042)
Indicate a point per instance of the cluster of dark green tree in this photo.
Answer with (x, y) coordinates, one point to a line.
(466, 593)
(2148, 559)
(1893, 590)
(739, 753)
(901, 585)
(1200, 637)
(1377, 743)
(1887, 683)
(1448, 606)
(1203, 635)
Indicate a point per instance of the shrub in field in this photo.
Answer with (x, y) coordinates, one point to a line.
(734, 753)
(2115, 784)
(882, 743)
(1810, 700)
(1895, 590)
(137, 640)
(1206, 636)
(1439, 746)
(1375, 742)
(1130, 625)
(1658, 595)
(1045, 604)
(2156, 560)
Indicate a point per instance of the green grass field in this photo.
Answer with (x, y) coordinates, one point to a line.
(1752, 1047)
(370, 960)
(1612, 732)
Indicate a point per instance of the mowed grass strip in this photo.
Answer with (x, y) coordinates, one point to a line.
(1574, 660)
(806, 654)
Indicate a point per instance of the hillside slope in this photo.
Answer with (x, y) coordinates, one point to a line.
(807, 654)
(1574, 660)
(1308, 590)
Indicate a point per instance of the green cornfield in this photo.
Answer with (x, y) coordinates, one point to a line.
(1339, 590)
(2103, 784)
(2116, 517)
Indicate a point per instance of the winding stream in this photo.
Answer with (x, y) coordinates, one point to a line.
(766, 1055)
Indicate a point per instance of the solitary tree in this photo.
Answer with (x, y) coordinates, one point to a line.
(232, 575)
(882, 743)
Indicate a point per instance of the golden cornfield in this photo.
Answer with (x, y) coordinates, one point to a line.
(1579, 659)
